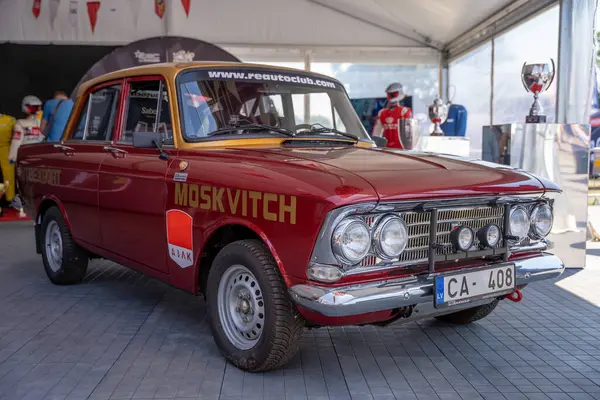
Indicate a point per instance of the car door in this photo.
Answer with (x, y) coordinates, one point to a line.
(79, 158)
(132, 191)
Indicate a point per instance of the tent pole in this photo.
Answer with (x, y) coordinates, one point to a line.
(307, 59)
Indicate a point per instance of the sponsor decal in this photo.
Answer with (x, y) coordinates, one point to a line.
(180, 177)
(43, 175)
(183, 56)
(269, 76)
(183, 165)
(247, 203)
(147, 57)
(179, 238)
(159, 8)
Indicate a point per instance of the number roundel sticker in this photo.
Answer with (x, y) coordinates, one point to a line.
(180, 238)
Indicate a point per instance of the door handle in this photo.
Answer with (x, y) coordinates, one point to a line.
(63, 147)
(69, 151)
(116, 151)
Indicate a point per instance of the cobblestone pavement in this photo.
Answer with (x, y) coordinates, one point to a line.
(120, 335)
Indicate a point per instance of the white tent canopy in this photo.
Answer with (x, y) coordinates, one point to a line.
(399, 31)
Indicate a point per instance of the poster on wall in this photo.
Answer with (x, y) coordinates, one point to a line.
(367, 109)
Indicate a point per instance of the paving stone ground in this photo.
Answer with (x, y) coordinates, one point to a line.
(120, 335)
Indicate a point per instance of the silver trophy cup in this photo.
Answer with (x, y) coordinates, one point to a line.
(438, 113)
(536, 79)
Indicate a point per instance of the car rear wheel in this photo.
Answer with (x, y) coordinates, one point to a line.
(64, 261)
(253, 320)
(469, 315)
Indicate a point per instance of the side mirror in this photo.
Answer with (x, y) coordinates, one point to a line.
(379, 141)
(147, 140)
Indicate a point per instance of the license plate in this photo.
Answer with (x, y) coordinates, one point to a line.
(460, 288)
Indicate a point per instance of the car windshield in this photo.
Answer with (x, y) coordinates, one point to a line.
(233, 102)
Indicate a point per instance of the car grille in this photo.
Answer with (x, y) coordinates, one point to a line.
(418, 224)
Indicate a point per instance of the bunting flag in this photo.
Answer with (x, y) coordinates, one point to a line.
(73, 12)
(93, 7)
(53, 11)
(37, 6)
(159, 8)
(186, 6)
(135, 10)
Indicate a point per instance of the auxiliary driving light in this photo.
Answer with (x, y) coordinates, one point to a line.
(489, 235)
(462, 238)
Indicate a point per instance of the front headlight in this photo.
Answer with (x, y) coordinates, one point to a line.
(351, 241)
(519, 222)
(390, 237)
(541, 221)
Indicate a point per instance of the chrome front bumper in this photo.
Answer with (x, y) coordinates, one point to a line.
(403, 292)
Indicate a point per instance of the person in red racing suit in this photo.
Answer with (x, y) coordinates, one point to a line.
(389, 118)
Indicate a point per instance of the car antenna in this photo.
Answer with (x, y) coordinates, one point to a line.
(163, 154)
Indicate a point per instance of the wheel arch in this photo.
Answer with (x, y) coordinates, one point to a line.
(46, 203)
(221, 236)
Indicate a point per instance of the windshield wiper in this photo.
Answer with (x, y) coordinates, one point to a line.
(252, 127)
(318, 128)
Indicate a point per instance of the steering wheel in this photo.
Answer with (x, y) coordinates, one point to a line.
(308, 127)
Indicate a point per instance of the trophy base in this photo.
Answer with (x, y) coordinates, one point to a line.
(535, 119)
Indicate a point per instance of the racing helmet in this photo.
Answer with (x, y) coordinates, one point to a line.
(31, 104)
(395, 92)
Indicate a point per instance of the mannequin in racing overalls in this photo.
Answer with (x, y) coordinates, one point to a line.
(388, 118)
(7, 124)
(26, 131)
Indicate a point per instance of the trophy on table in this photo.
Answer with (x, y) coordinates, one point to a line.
(536, 79)
(438, 113)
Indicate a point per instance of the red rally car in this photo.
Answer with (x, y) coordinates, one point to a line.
(259, 188)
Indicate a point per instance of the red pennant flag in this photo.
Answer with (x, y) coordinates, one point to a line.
(159, 8)
(186, 6)
(37, 5)
(93, 7)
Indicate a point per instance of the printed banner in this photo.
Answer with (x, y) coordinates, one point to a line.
(186, 6)
(37, 6)
(53, 11)
(159, 8)
(73, 16)
(93, 7)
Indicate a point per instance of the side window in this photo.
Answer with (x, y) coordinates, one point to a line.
(97, 118)
(147, 110)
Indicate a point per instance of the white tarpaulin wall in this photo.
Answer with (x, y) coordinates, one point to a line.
(398, 31)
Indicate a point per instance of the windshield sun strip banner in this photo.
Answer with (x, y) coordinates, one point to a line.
(265, 76)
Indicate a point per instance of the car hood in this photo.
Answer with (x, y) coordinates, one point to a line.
(404, 175)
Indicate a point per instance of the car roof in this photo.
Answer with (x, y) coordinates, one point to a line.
(172, 69)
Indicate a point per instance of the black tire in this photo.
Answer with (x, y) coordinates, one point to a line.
(469, 315)
(283, 325)
(74, 263)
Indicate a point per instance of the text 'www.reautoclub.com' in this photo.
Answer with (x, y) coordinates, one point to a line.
(270, 77)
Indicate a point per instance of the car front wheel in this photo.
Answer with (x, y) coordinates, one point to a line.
(254, 322)
(64, 261)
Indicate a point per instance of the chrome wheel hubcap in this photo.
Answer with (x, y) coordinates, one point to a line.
(241, 307)
(54, 246)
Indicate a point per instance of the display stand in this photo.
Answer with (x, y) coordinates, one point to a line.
(559, 153)
(454, 145)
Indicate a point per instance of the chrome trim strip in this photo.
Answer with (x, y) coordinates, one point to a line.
(403, 292)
